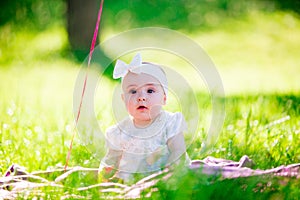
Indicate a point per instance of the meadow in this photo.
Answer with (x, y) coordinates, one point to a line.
(257, 58)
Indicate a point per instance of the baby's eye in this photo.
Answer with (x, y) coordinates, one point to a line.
(150, 91)
(132, 91)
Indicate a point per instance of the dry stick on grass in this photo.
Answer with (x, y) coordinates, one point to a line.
(8, 179)
(62, 170)
(118, 185)
(20, 184)
(26, 188)
(74, 169)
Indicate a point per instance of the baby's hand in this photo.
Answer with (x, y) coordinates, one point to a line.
(106, 173)
(155, 156)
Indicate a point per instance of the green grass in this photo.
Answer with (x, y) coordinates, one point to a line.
(259, 67)
(265, 127)
(36, 121)
(36, 129)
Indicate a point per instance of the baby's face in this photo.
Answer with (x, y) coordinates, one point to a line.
(143, 96)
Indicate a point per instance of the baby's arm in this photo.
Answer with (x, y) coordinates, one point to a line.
(111, 160)
(176, 147)
(112, 157)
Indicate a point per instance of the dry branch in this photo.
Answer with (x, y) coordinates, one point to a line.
(19, 183)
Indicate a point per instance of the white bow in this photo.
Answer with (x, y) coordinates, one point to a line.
(121, 68)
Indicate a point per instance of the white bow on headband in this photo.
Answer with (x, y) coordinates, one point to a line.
(136, 66)
(121, 68)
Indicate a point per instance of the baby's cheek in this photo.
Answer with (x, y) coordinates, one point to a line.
(128, 105)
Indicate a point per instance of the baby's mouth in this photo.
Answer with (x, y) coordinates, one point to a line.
(142, 108)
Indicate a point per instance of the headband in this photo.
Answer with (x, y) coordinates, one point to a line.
(136, 66)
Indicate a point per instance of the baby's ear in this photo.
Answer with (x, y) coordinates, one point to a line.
(122, 96)
(165, 100)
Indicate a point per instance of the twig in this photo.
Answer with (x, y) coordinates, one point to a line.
(75, 169)
(26, 185)
(50, 171)
(22, 177)
(104, 185)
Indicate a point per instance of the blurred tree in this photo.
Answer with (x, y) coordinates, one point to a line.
(82, 17)
(189, 15)
(32, 14)
(293, 5)
(81, 22)
(176, 14)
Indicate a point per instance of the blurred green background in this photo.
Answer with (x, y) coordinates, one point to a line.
(254, 44)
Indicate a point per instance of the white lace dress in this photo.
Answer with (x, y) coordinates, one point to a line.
(137, 144)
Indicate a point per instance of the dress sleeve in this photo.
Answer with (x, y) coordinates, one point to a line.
(113, 152)
(113, 138)
(176, 124)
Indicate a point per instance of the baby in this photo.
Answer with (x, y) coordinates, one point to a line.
(149, 138)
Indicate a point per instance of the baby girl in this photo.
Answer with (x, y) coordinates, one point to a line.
(150, 138)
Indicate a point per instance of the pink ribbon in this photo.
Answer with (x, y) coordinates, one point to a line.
(86, 76)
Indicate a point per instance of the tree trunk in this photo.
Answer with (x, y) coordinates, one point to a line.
(82, 17)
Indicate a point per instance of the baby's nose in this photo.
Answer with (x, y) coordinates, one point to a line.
(141, 98)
